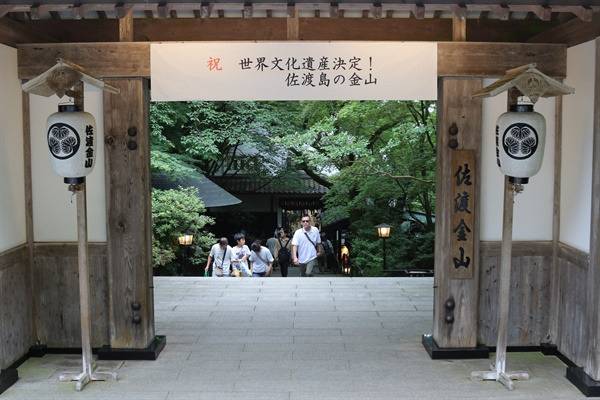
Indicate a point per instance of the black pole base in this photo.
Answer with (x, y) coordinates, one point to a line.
(149, 353)
(8, 377)
(454, 353)
(588, 386)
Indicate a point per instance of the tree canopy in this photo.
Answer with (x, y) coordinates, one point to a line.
(376, 157)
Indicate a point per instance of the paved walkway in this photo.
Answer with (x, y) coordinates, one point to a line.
(293, 339)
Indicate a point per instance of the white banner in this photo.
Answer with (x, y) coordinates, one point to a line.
(294, 71)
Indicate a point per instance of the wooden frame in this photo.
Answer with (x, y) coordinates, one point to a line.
(132, 59)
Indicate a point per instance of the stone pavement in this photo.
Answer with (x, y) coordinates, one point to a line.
(293, 339)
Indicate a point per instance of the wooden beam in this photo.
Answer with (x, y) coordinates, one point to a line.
(133, 59)
(542, 12)
(99, 59)
(494, 59)
(585, 14)
(126, 27)
(592, 309)
(459, 28)
(5, 9)
(293, 23)
(408, 29)
(14, 32)
(571, 33)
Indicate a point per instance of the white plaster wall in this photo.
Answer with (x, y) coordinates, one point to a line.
(533, 207)
(12, 178)
(577, 140)
(54, 211)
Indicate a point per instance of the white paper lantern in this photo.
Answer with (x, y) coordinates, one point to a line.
(520, 140)
(72, 143)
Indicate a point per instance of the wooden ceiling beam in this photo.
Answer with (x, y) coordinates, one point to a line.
(571, 33)
(494, 59)
(542, 12)
(583, 13)
(190, 29)
(5, 9)
(14, 32)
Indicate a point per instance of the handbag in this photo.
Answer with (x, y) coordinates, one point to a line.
(220, 268)
(268, 271)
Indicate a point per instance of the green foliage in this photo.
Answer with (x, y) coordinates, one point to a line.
(376, 157)
(175, 212)
(391, 180)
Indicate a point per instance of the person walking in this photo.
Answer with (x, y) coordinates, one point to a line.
(283, 251)
(241, 252)
(220, 257)
(271, 243)
(261, 259)
(306, 247)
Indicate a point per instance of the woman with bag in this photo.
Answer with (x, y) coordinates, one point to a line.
(261, 259)
(220, 256)
(283, 251)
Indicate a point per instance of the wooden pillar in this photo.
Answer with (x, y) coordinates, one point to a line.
(459, 118)
(29, 213)
(293, 23)
(592, 366)
(128, 201)
(126, 27)
(553, 333)
(459, 28)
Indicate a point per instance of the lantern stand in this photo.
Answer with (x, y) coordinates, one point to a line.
(66, 78)
(529, 81)
(383, 231)
(89, 372)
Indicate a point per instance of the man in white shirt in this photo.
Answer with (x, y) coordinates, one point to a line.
(306, 246)
(221, 256)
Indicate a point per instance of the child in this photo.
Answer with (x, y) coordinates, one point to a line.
(240, 255)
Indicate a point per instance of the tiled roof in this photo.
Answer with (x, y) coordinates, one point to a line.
(298, 183)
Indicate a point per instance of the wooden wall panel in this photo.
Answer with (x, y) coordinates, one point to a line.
(16, 334)
(530, 293)
(571, 327)
(57, 298)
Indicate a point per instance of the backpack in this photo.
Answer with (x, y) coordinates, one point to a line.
(284, 255)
